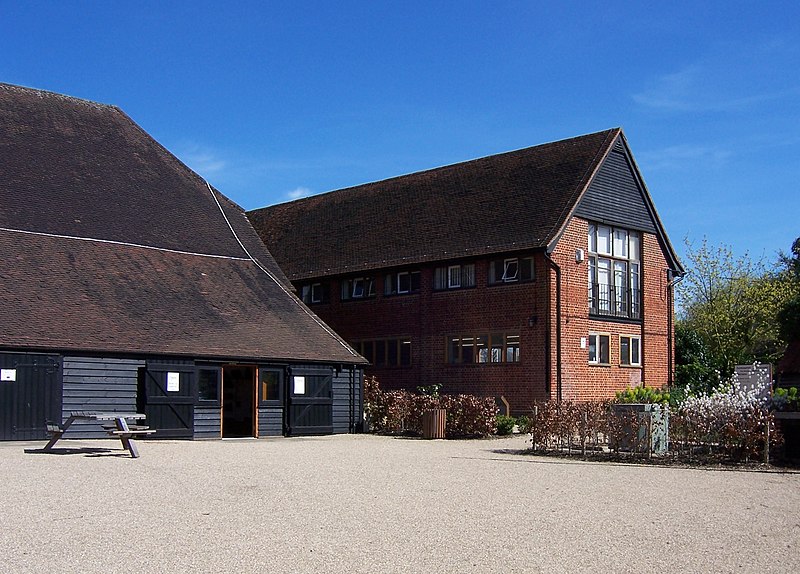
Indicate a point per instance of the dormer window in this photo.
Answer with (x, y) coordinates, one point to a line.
(511, 270)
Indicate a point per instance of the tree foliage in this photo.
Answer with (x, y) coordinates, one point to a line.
(737, 310)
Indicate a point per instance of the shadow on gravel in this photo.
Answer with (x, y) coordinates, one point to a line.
(622, 460)
(85, 451)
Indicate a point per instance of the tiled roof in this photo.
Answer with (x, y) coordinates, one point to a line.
(515, 200)
(110, 243)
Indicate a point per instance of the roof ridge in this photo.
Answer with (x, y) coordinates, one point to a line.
(437, 168)
(55, 95)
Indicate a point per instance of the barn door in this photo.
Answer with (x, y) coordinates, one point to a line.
(30, 395)
(167, 399)
(309, 402)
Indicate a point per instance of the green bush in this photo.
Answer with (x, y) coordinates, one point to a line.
(505, 425)
(643, 395)
(523, 424)
(786, 399)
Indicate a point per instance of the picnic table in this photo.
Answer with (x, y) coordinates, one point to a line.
(118, 427)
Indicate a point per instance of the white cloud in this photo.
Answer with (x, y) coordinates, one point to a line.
(298, 192)
(683, 155)
(201, 159)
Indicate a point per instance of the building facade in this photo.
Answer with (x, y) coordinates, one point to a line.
(541, 273)
(128, 283)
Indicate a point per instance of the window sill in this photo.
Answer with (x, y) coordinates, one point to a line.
(630, 366)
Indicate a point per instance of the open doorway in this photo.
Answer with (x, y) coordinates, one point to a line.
(238, 408)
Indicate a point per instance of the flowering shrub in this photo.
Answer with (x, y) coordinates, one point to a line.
(733, 421)
(401, 411)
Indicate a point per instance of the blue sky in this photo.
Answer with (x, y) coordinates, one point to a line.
(274, 100)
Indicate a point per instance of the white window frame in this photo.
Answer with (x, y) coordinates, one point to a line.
(406, 274)
(451, 284)
(597, 359)
(622, 358)
(506, 264)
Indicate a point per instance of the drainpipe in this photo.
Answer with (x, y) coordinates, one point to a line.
(557, 269)
(670, 342)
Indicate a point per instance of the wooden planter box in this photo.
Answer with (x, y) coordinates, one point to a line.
(649, 431)
(433, 423)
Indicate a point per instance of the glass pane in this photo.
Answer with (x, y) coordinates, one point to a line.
(305, 293)
(454, 276)
(388, 284)
(498, 341)
(468, 275)
(620, 243)
(633, 241)
(391, 353)
(620, 291)
(380, 353)
(604, 349)
(316, 293)
(370, 287)
(208, 385)
(270, 386)
(346, 289)
(635, 351)
(625, 350)
(592, 348)
(453, 350)
(358, 288)
(592, 238)
(604, 240)
(510, 270)
(415, 281)
(512, 348)
(405, 352)
(403, 282)
(526, 269)
(604, 285)
(467, 350)
(482, 346)
(440, 278)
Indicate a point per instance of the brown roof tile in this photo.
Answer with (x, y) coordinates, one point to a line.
(111, 244)
(504, 202)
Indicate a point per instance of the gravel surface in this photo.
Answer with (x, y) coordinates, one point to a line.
(360, 503)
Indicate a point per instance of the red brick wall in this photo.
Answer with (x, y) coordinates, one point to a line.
(580, 380)
(429, 317)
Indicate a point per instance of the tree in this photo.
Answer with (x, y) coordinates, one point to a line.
(733, 305)
(789, 315)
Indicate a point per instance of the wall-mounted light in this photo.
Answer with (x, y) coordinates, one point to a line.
(579, 255)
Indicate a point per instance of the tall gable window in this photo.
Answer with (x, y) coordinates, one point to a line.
(454, 277)
(358, 288)
(614, 271)
(511, 270)
(401, 283)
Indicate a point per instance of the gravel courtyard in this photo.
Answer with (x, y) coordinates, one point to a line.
(361, 503)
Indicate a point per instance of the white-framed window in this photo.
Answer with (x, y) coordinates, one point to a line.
(511, 270)
(358, 288)
(313, 293)
(599, 348)
(495, 348)
(614, 271)
(401, 283)
(630, 350)
(454, 277)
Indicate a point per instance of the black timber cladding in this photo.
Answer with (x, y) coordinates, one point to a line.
(98, 384)
(30, 394)
(615, 196)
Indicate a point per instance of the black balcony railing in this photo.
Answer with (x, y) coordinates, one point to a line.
(613, 301)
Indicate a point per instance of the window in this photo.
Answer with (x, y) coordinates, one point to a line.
(401, 283)
(510, 270)
(613, 280)
(269, 385)
(313, 293)
(358, 288)
(630, 350)
(496, 348)
(208, 385)
(386, 352)
(599, 349)
(454, 277)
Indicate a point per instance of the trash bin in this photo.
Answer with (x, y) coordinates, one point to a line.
(433, 423)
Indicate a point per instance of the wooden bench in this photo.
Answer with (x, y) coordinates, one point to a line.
(108, 427)
(130, 432)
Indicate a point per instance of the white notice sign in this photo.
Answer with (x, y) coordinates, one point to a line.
(299, 385)
(173, 382)
(8, 375)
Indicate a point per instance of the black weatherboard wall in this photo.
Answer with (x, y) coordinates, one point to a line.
(30, 394)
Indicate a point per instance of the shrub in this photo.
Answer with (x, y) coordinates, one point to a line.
(401, 411)
(786, 399)
(505, 424)
(643, 395)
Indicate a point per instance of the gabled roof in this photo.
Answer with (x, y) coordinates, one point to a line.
(109, 243)
(507, 202)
